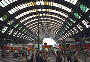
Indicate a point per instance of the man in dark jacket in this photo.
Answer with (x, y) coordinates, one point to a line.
(58, 57)
(39, 57)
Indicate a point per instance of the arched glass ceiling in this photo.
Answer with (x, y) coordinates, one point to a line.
(22, 6)
(50, 25)
(38, 10)
(70, 14)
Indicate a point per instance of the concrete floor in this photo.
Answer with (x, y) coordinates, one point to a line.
(50, 59)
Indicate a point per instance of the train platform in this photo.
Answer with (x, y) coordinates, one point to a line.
(50, 59)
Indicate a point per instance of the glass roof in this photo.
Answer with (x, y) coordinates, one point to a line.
(61, 19)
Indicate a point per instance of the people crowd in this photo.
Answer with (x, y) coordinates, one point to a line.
(60, 55)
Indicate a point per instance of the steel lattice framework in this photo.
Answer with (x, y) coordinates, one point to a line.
(58, 19)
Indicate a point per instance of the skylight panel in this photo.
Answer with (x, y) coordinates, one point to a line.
(62, 7)
(86, 23)
(22, 6)
(72, 31)
(42, 2)
(7, 1)
(84, 8)
(11, 1)
(72, 1)
(14, 33)
(17, 17)
(80, 27)
(2, 4)
(61, 13)
(20, 15)
(72, 20)
(5, 4)
(77, 15)
(10, 31)
(4, 29)
(16, 25)
(16, 8)
(37, 3)
(1, 19)
(69, 33)
(75, 30)
(12, 10)
(66, 35)
(14, 0)
(54, 4)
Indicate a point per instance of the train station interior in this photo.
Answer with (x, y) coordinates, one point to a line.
(44, 30)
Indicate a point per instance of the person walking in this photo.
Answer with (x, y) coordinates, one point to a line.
(39, 57)
(32, 58)
(58, 57)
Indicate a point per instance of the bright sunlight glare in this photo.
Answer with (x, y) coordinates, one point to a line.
(49, 41)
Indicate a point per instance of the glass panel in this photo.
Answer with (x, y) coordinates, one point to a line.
(13, 11)
(70, 23)
(4, 29)
(77, 15)
(20, 28)
(10, 12)
(15, 33)
(2, 4)
(1, 19)
(67, 26)
(14, 0)
(69, 33)
(11, 1)
(7, 1)
(72, 31)
(84, 8)
(72, 20)
(75, 30)
(72, 1)
(80, 27)
(86, 23)
(16, 25)
(10, 31)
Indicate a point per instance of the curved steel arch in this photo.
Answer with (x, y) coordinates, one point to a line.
(37, 23)
(61, 2)
(47, 7)
(42, 17)
(64, 3)
(42, 12)
(46, 17)
(40, 23)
